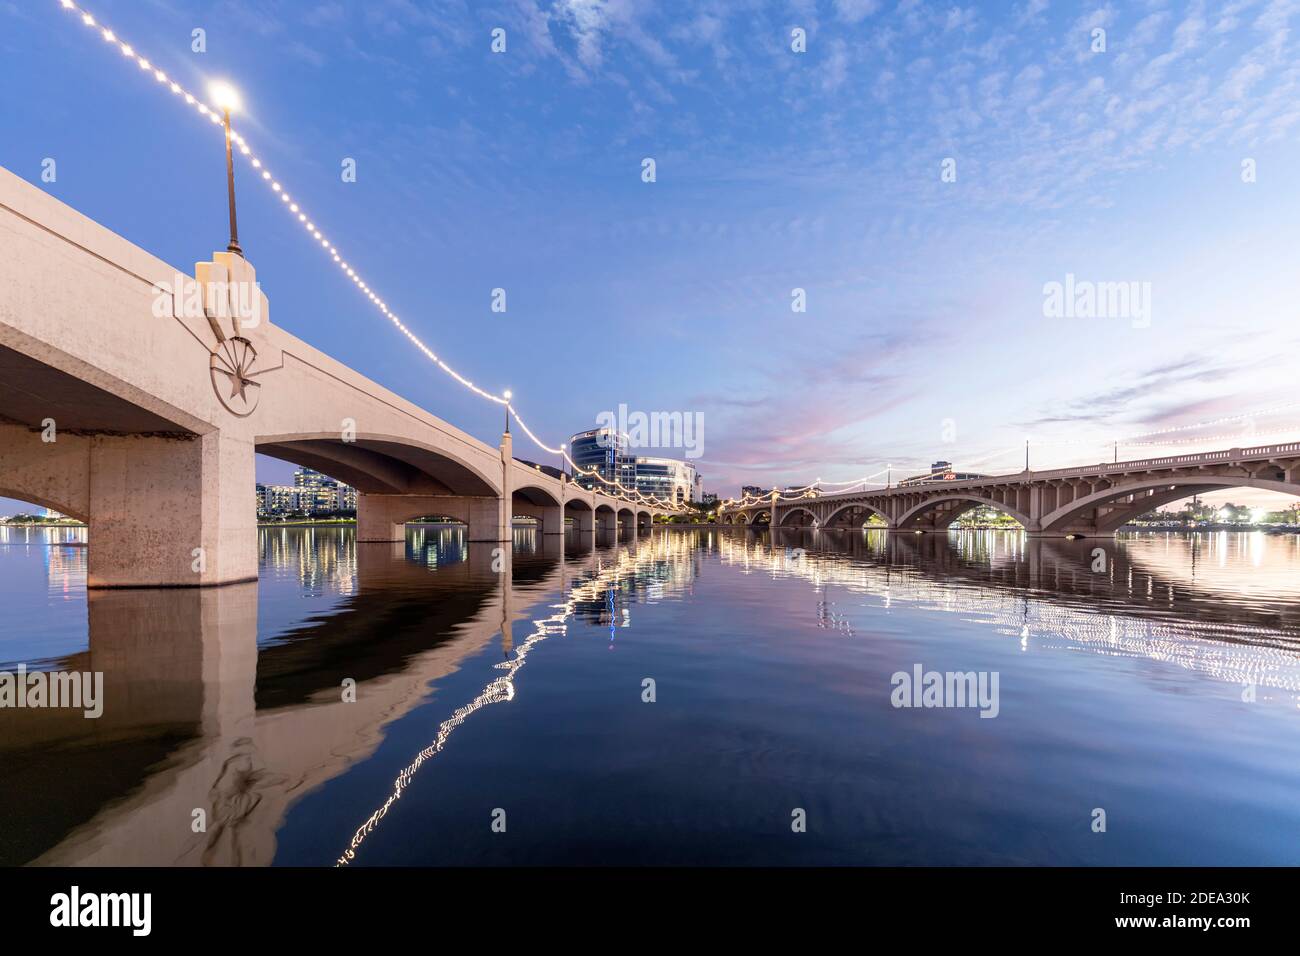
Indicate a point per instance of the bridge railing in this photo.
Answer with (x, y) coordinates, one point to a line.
(1174, 461)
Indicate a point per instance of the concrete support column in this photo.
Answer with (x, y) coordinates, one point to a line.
(486, 528)
(489, 519)
(384, 517)
(1036, 511)
(1048, 497)
(377, 519)
(553, 519)
(557, 525)
(170, 512)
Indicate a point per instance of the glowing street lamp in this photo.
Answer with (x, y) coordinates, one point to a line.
(227, 99)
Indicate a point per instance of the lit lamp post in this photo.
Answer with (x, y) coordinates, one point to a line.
(226, 100)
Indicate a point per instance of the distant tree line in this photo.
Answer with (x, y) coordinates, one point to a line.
(1196, 513)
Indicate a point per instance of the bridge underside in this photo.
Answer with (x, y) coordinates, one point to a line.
(32, 392)
(376, 466)
(169, 508)
(164, 509)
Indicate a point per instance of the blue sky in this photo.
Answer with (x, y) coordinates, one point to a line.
(924, 335)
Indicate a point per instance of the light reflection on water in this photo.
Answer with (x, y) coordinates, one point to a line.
(1122, 686)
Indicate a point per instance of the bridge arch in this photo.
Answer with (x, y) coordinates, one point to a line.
(384, 464)
(805, 516)
(536, 496)
(1080, 515)
(69, 507)
(529, 501)
(580, 510)
(938, 512)
(855, 506)
(606, 517)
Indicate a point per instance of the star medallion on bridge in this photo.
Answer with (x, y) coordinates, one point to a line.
(233, 365)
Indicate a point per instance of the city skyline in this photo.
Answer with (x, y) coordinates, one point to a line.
(921, 289)
(312, 492)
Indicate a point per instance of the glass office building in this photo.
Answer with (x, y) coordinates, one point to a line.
(668, 479)
(607, 452)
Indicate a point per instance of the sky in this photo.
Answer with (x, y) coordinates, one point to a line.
(922, 171)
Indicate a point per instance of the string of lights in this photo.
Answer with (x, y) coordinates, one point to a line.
(313, 230)
(602, 584)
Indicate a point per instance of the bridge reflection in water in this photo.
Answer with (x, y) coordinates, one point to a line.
(228, 700)
(1129, 598)
(201, 713)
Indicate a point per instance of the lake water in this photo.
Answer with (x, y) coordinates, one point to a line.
(685, 697)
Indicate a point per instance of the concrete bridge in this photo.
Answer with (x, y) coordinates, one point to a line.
(133, 396)
(1087, 501)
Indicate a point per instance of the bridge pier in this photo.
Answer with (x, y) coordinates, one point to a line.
(552, 519)
(167, 512)
(607, 520)
(503, 527)
(384, 517)
(162, 510)
(584, 520)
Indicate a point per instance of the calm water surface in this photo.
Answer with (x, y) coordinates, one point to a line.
(515, 694)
